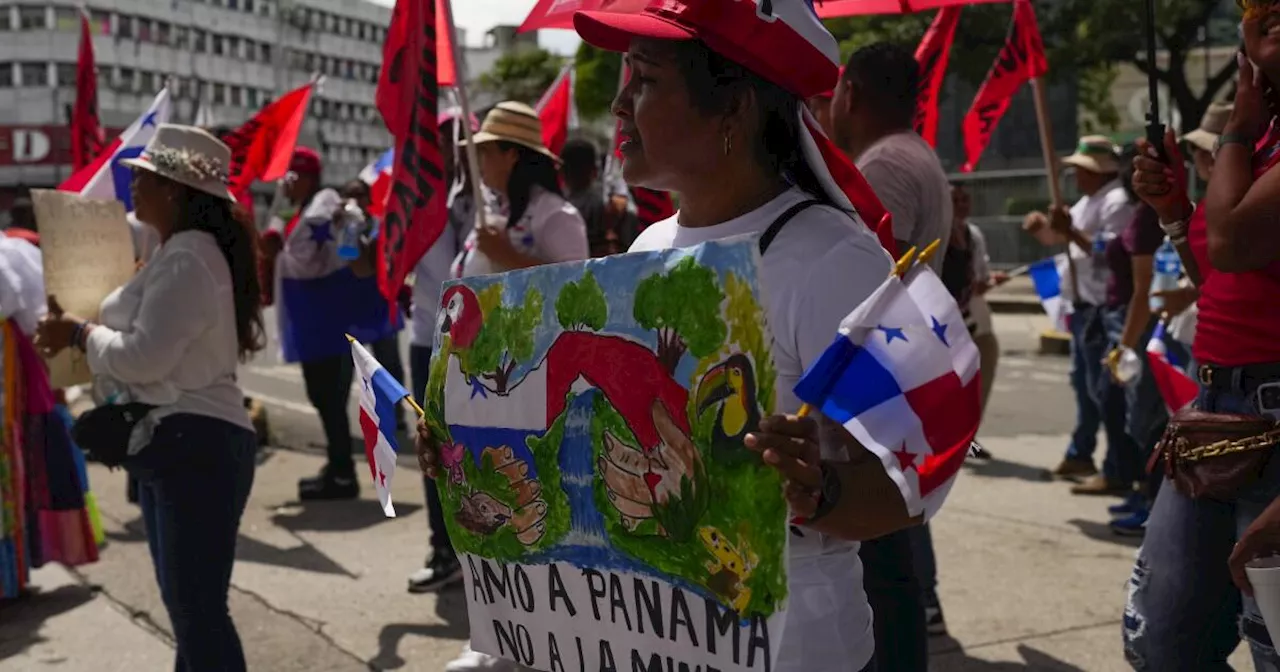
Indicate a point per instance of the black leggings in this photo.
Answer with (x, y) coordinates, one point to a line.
(328, 383)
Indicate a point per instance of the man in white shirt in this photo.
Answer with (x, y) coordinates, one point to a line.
(872, 112)
(1101, 214)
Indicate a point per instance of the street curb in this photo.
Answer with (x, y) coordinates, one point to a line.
(1015, 305)
(1055, 343)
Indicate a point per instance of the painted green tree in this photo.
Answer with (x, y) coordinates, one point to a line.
(505, 339)
(683, 306)
(581, 304)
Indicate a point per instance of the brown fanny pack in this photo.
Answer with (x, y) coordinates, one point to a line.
(1216, 455)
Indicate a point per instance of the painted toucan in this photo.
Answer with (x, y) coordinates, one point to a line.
(732, 384)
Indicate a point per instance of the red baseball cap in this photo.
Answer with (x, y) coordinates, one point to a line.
(789, 47)
(305, 161)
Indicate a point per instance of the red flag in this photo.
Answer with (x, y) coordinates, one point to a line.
(86, 130)
(1021, 60)
(262, 147)
(407, 99)
(932, 56)
(833, 8)
(554, 110)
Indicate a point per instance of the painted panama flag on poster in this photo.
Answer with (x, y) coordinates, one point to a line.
(595, 482)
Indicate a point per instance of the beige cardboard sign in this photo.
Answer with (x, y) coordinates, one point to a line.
(88, 253)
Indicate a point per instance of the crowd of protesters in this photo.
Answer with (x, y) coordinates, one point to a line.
(720, 128)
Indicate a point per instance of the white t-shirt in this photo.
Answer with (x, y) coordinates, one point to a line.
(550, 229)
(819, 268)
(21, 283)
(979, 312)
(1106, 213)
(435, 267)
(905, 173)
(169, 334)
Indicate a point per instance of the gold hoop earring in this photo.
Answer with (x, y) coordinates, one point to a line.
(728, 144)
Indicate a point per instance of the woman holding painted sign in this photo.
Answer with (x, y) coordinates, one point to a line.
(711, 112)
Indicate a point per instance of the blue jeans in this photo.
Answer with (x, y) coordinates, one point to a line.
(1183, 612)
(419, 369)
(1098, 400)
(194, 480)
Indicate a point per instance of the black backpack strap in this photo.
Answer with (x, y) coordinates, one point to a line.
(766, 239)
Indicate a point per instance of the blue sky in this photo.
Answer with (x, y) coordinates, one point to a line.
(478, 16)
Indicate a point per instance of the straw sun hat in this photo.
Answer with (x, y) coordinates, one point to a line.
(516, 123)
(1097, 154)
(187, 155)
(1211, 126)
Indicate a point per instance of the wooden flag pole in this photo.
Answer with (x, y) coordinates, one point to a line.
(460, 86)
(1051, 168)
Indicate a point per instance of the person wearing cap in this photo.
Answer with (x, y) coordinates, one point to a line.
(323, 298)
(712, 113)
(527, 222)
(1100, 215)
(172, 337)
(872, 117)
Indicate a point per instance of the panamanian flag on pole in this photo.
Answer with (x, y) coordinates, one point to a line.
(902, 377)
(380, 392)
(105, 178)
(1047, 277)
(1176, 387)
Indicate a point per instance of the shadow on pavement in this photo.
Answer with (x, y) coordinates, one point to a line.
(338, 516)
(451, 607)
(956, 660)
(135, 531)
(998, 468)
(304, 556)
(1101, 532)
(21, 619)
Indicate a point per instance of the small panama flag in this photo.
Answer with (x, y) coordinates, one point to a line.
(379, 394)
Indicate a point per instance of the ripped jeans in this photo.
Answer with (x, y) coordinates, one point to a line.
(1183, 612)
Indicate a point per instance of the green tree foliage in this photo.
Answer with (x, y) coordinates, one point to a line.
(1085, 41)
(505, 339)
(581, 304)
(597, 73)
(683, 305)
(522, 75)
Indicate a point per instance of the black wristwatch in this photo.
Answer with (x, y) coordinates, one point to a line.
(828, 493)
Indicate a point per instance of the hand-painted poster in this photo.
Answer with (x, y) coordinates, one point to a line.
(591, 417)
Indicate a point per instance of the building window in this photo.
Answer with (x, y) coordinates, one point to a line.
(330, 23)
(66, 74)
(360, 28)
(248, 6)
(147, 82)
(31, 18)
(233, 47)
(104, 79)
(219, 94)
(309, 62)
(202, 40)
(145, 30)
(264, 7)
(181, 37)
(164, 33)
(266, 52)
(125, 79)
(233, 4)
(34, 74)
(251, 97)
(350, 69)
(124, 26)
(237, 96)
(6, 75)
(250, 50)
(100, 21)
(66, 19)
(219, 46)
(6, 24)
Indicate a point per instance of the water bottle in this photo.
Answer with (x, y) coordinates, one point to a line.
(352, 226)
(1129, 367)
(1167, 269)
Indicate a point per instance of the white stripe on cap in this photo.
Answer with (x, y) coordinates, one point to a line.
(803, 19)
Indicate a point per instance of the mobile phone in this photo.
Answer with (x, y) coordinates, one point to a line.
(1269, 400)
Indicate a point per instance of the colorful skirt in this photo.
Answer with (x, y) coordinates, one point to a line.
(44, 510)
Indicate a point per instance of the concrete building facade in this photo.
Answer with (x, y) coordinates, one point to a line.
(229, 56)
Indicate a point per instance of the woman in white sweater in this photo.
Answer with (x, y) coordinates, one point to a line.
(171, 338)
